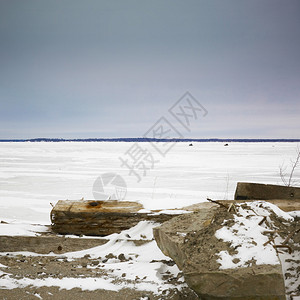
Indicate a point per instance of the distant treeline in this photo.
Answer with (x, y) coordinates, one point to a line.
(148, 140)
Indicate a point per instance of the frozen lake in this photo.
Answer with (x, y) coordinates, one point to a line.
(33, 175)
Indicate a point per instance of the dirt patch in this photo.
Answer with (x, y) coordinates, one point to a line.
(210, 245)
(54, 293)
(52, 267)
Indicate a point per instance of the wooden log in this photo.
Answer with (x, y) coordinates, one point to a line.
(100, 218)
(257, 191)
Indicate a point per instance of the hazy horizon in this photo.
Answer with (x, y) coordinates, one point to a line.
(141, 139)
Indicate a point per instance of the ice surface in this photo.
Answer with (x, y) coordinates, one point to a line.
(33, 175)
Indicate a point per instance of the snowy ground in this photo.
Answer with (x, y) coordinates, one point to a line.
(113, 266)
(33, 175)
(253, 222)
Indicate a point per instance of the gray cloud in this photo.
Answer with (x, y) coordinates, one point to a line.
(112, 68)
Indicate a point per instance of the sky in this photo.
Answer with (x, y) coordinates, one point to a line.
(88, 69)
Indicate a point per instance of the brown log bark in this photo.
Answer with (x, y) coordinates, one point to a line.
(100, 218)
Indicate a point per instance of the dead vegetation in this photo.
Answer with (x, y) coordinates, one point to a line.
(286, 178)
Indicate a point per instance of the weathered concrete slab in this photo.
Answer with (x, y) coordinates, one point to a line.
(257, 191)
(53, 243)
(100, 218)
(283, 204)
(196, 257)
(242, 284)
(47, 244)
(170, 236)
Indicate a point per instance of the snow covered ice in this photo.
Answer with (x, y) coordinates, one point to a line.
(33, 175)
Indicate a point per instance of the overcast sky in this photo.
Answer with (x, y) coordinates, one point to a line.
(76, 69)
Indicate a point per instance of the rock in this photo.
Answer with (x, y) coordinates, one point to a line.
(238, 284)
(100, 218)
(110, 256)
(170, 235)
(257, 191)
(283, 204)
(190, 241)
(122, 257)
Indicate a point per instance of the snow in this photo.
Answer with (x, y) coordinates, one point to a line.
(34, 176)
(172, 212)
(295, 214)
(22, 229)
(145, 264)
(64, 283)
(289, 266)
(248, 238)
